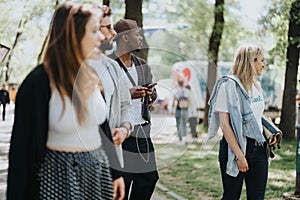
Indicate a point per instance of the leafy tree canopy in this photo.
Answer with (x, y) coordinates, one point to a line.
(276, 20)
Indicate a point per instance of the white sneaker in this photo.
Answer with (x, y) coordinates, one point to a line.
(188, 140)
(184, 139)
(180, 143)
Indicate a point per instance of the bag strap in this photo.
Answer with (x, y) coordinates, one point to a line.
(126, 71)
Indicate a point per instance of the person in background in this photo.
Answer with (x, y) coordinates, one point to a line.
(181, 100)
(56, 150)
(13, 93)
(237, 106)
(4, 99)
(139, 157)
(192, 114)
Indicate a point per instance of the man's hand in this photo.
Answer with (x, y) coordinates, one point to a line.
(149, 91)
(138, 92)
(119, 188)
(119, 135)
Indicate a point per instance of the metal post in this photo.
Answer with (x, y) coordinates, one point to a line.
(297, 192)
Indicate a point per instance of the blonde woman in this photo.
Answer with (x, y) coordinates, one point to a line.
(56, 150)
(236, 106)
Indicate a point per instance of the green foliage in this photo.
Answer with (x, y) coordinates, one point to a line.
(34, 16)
(165, 50)
(188, 23)
(277, 20)
(199, 16)
(233, 35)
(118, 10)
(9, 25)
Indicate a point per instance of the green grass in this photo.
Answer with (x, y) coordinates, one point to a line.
(192, 171)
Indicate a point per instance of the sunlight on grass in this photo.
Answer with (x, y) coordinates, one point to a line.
(168, 154)
(192, 171)
(276, 175)
(198, 165)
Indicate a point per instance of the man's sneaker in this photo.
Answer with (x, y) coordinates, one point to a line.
(187, 139)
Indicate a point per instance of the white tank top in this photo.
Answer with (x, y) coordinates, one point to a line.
(64, 129)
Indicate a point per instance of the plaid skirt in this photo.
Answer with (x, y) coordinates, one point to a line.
(75, 176)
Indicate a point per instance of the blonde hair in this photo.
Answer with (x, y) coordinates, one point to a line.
(243, 65)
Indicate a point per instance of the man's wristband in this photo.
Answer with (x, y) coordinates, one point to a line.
(128, 131)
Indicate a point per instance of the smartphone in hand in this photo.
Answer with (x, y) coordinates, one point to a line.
(151, 85)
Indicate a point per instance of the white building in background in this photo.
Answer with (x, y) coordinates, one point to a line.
(194, 73)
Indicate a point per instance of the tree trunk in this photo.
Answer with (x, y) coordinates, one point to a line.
(214, 44)
(19, 32)
(288, 114)
(43, 49)
(134, 11)
(106, 2)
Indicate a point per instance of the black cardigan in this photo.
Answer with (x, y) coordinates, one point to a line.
(29, 136)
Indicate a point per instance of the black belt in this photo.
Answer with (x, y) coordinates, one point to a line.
(143, 124)
(138, 127)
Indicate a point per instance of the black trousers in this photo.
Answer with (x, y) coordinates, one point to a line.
(193, 126)
(3, 111)
(255, 178)
(139, 164)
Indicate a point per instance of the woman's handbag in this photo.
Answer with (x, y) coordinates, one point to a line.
(183, 102)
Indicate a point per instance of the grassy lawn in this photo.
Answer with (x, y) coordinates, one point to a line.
(192, 171)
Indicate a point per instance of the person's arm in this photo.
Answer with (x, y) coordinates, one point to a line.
(19, 153)
(126, 121)
(126, 106)
(232, 141)
(173, 105)
(7, 98)
(120, 134)
(110, 150)
(119, 188)
(29, 134)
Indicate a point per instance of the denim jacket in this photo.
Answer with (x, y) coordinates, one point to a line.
(242, 119)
